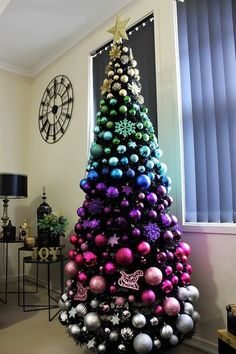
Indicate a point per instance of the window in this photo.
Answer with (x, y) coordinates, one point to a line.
(206, 30)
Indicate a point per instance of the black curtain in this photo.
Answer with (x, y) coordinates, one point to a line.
(142, 43)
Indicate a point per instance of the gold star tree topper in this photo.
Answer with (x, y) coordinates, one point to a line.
(118, 30)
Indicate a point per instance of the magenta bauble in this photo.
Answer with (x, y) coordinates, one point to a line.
(167, 286)
(82, 277)
(107, 210)
(90, 259)
(84, 247)
(184, 259)
(188, 268)
(112, 289)
(124, 256)
(100, 240)
(168, 270)
(110, 268)
(79, 258)
(186, 248)
(153, 276)
(143, 248)
(159, 310)
(148, 297)
(175, 280)
(185, 278)
(97, 284)
(71, 254)
(179, 252)
(179, 267)
(171, 306)
(73, 239)
(71, 268)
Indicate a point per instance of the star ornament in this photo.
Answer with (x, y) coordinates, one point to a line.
(72, 312)
(118, 30)
(115, 320)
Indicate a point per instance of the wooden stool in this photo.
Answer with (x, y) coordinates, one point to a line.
(226, 342)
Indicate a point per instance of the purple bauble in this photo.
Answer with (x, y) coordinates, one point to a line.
(161, 257)
(124, 203)
(101, 187)
(167, 236)
(167, 286)
(71, 268)
(169, 200)
(141, 196)
(124, 256)
(136, 232)
(135, 214)
(78, 227)
(112, 192)
(153, 276)
(166, 220)
(97, 284)
(107, 210)
(185, 247)
(140, 205)
(148, 297)
(171, 306)
(161, 207)
(152, 214)
(121, 222)
(110, 268)
(170, 255)
(143, 181)
(161, 190)
(143, 248)
(174, 220)
(151, 198)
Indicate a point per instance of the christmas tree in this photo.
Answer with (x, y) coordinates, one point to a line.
(129, 287)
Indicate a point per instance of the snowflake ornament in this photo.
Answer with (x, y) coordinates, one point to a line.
(115, 52)
(125, 127)
(151, 231)
(134, 88)
(116, 86)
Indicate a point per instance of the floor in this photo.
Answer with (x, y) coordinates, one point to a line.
(32, 333)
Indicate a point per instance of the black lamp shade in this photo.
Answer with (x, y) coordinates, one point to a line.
(13, 186)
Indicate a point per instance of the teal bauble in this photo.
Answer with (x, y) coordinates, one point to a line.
(158, 153)
(104, 161)
(140, 125)
(96, 150)
(107, 135)
(124, 161)
(104, 120)
(121, 149)
(141, 169)
(107, 151)
(146, 137)
(143, 182)
(143, 115)
(113, 101)
(163, 168)
(116, 173)
(149, 164)
(96, 129)
(134, 158)
(95, 164)
(113, 161)
(145, 151)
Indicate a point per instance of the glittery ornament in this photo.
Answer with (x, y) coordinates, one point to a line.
(171, 306)
(81, 309)
(153, 276)
(154, 321)
(151, 231)
(184, 323)
(81, 294)
(127, 333)
(130, 280)
(71, 268)
(97, 284)
(142, 343)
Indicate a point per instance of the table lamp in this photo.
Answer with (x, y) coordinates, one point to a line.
(12, 186)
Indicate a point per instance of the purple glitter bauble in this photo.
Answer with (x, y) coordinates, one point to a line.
(136, 232)
(101, 187)
(95, 206)
(166, 220)
(151, 198)
(135, 214)
(112, 192)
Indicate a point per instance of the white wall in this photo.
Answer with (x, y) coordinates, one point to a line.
(60, 166)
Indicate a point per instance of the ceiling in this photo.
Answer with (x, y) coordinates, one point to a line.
(33, 33)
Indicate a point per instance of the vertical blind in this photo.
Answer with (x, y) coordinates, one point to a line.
(207, 30)
(141, 40)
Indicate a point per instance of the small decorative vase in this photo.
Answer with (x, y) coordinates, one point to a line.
(29, 242)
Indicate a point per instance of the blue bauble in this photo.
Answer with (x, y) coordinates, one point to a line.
(92, 175)
(105, 171)
(166, 181)
(143, 181)
(113, 161)
(107, 135)
(145, 151)
(130, 173)
(149, 164)
(121, 149)
(124, 161)
(116, 173)
(96, 150)
(134, 158)
(83, 182)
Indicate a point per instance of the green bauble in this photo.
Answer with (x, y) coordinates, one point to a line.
(132, 112)
(146, 137)
(96, 150)
(123, 109)
(104, 109)
(109, 125)
(138, 135)
(127, 99)
(113, 113)
(104, 120)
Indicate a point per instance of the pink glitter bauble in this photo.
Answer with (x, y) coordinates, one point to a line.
(119, 301)
(143, 248)
(185, 278)
(84, 247)
(79, 258)
(71, 268)
(148, 297)
(82, 277)
(159, 310)
(171, 306)
(110, 268)
(124, 256)
(167, 286)
(97, 284)
(185, 247)
(73, 239)
(153, 276)
(100, 240)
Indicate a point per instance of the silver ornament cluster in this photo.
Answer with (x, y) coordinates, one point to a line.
(92, 321)
(143, 343)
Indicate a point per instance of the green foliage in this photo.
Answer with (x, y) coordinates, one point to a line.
(54, 224)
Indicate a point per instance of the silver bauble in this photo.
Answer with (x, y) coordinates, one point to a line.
(64, 305)
(64, 297)
(121, 348)
(102, 348)
(133, 63)
(92, 321)
(142, 343)
(138, 320)
(125, 49)
(184, 323)
(174, 340)
(63, 317)
(113, 336)
(166, 331)
(127, 333)
(154, 321)
(126, 314)
(75, 330)
(188, 308)
(182, 294)
(81, 309)
(84, 329)
(94, 303)
(193, 293)
(107, 330)
(195, 316)
(157, 343)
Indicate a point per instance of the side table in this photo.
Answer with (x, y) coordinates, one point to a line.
(226, 342)
(48, 263)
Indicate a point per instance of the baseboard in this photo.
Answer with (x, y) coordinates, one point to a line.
(41, 282)
(202, 344)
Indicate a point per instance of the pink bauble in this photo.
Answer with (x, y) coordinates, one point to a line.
(143, 248)
(110, 268)
(175, 280)
(184, 259)
(100, 240)
(188, 268)
(119, 301)
(167, 286)
(82, 277)
(185, 247)
(69, 284)
(168, 270)
(90, 259)
(73, 239)
(71, 254)
(131, 298)
(79, 258)
(185, 278)
(179, 252)
(84, 247)
(159, 310)
(171, 306)
(124, 256)
(97, 284)
(179, 267)
(153, 276)
(148, 297)
(71, 268)
(80, 241)
(112, 289)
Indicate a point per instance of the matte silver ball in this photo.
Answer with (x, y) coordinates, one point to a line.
(81, 310)
(188, 308)
(121, 348)
(75, 330)
(113, 336)
(182, 294)
(142, 343)
(193, 293)
(195, 316)
(157, 343)
(166, 331)
(184, 323)
(94, 303)
(102, 348)
(92, 321)
(174, 340)
(138, 320)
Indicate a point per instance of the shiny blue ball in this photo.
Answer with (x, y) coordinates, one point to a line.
(92, 175)
(116, 173)
(124, 161)
(143, 181)
(130, 173)
(107, 136)
(105, 171)
(83, 182)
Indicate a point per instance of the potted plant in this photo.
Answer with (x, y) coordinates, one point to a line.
(51, 227)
